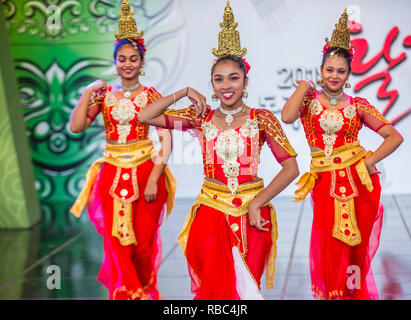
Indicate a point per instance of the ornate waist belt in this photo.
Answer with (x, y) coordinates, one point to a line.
(220, 197)
(234, 207)
(129, 155)
(343, 189)
(126, 158)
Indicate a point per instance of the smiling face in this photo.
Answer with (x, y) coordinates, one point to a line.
(128, 62)
(335, 73)
(228, 82)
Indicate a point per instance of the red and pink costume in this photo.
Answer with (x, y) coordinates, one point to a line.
(226, 256)
(114, 194)
(346, 200)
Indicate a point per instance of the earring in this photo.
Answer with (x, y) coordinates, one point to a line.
(347, 85)
(245, 94)
(214, 97)
(141, 72)
(116, 74)
(320, 82)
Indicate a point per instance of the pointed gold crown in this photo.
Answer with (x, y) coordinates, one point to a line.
(341, 35)
(228, 37)
(127, 27)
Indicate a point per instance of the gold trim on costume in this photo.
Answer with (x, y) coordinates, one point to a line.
(345, 224)
(341, 157)
(122, 223)
(341, 193)
(129, 155)
(125, 176)
(320, 295)
(219, 197)
(124, 156)
(270, 268)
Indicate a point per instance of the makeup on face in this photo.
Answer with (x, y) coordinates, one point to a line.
(334, 73)
(128, 62)
(228, 83)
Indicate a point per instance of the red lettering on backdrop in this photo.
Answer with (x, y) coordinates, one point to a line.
(361, 67)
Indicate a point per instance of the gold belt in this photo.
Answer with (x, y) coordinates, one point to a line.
(345, 224)
(124, 157)
(341, 157)
(220, 197)
(129, 155)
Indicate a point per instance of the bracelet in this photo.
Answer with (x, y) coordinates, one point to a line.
(174, 96)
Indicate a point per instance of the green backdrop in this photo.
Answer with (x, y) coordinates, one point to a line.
(58, 48)
(19, 206)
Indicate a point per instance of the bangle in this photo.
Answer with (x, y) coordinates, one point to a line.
(187, 90)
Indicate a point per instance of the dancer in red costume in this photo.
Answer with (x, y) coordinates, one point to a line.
(126, 190)
(229, 237)
(343, 180)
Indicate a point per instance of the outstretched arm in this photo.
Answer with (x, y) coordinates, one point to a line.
(153, 115)
(291, 109)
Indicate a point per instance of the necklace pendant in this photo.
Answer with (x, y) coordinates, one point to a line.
(229, 118)
(333, 102)
(127, 94)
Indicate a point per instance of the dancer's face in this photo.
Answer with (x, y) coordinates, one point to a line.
(128, 62)
(335, 73)
(228, 83)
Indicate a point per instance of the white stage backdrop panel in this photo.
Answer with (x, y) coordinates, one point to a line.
(284, 40)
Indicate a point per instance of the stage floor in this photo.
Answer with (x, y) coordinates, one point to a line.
(27, 258)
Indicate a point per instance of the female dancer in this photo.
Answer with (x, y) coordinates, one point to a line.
(229, 237)
(344, 181)
(127, 189)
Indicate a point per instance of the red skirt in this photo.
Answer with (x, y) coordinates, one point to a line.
(129, 271)
(212, 253)
(338, 270)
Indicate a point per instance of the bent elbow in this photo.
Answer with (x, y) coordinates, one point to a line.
(401, 139)
(75, 129)
(286, 119)
(296, 172)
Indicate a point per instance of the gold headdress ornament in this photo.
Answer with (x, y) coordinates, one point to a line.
(228, 37)
(341, 34)
(127, 27)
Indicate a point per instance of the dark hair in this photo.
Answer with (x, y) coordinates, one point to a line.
(126, 41)
(339, 52)
(237, 60)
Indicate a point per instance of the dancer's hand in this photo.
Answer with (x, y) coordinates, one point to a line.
(371, 168)
(198, 100)
(96, 85)
(150, 193)
(256, 220)
(308, 83)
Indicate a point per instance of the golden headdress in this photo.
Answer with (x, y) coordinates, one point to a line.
(341, 35)
(127, 27)
(229, 37)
